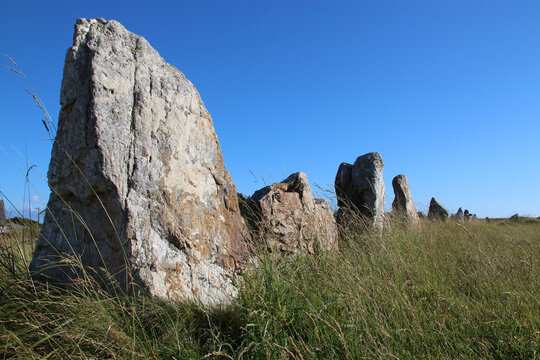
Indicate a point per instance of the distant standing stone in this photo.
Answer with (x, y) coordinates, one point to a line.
(458, 216)
(468, 216)
(360, 188)
(403, 204)
(436, 211)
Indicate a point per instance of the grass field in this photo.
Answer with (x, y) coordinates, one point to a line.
(439, 291)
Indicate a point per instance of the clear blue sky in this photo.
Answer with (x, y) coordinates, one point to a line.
(447, 91)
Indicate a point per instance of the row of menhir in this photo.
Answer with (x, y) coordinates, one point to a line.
(287, 218)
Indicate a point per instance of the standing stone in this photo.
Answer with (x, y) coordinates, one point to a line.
(2, 213)
(139, 186)
(436, 211)
(288, 219)
(360, 188)
(459, 216)
(403, 203)
(468, 216)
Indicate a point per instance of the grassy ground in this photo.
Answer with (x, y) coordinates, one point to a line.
(441, 291)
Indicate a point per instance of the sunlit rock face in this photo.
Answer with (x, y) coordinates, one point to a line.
(403, 204)
(287, 218)
(360, 189)
(139, 187)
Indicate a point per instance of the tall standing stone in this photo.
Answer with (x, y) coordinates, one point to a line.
(437, 211)
(403, 203)
(138, 182)
(288, 219)
(360, 188)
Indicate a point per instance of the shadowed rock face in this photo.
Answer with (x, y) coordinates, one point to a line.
(289, 219)
(138, 182)
(436, 211)
(403, 203)
(458, 216)
(360, 188)
(468, 216)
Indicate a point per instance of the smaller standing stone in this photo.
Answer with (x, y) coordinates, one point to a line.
(403, 203)
(288, 219)
(360, 188)
(459, 216)
(468, 216)
(436, 211)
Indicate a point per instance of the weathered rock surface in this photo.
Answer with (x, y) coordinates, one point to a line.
(287, 217)
(138, 182)
(403, 204)
(436, 211)
(360, 188)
